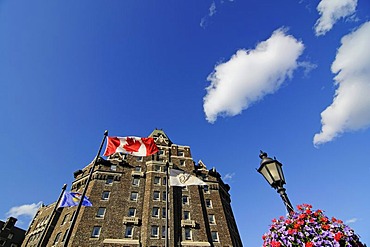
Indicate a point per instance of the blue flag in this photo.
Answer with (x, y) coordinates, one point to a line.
(71, 199)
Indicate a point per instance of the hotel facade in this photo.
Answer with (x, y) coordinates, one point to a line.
(133, 204)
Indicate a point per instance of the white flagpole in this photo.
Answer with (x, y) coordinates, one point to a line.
(69, 233)
(167, 184)
(46, 229)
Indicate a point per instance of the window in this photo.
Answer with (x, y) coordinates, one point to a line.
(164, 181)
(113, 168)
(138, 168)
(206, 189)
(155, 212)
(180, 153)
(129, 230)
(163, 231)
(211, 219)
(164, 196)
(154, 232)
(131, 212)
(109, 180)
(156, 195)
(105, 195)
(157, 168)
(64, 236)
(186, 215)
(135, 181)
(208, 203)
(56, 240)
(182, 162)
(163, 212)
(96, 232)
(157, 180)
(214, 236)
(133, 196)
(187, 233)
(185, 200)
(139, 158)
(161, 152)
(100, 213)
(65, 219)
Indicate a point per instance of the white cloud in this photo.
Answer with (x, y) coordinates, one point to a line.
(307, 66)
(28, 210)
(204, 22)
(350, 109)
(212, 9)
(228, 176)
(251, 74)
(331, 11)
(353, 220)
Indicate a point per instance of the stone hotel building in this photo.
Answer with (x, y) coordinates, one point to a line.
(129, 205)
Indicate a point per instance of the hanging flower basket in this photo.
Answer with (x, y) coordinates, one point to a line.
(307, 228)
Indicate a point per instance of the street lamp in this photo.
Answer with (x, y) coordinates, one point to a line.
(272, 171)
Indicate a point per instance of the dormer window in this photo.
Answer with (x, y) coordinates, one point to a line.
(137, 168)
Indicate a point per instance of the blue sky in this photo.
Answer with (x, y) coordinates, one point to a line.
(227, 78)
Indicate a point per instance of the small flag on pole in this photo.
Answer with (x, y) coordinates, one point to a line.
(182, 179)
(70, 199)
(137, 146)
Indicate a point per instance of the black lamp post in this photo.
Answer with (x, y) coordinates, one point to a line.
(272, 171)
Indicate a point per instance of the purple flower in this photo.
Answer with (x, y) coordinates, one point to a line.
(309, 227)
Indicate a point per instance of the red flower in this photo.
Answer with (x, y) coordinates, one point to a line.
(338, 236)
(275, 244)
(325, 227)
(302, 216)
(308, 244)
(324, 219)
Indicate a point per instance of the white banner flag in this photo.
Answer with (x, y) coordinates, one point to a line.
(182, 179)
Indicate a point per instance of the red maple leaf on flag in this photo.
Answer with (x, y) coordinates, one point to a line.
(131, 145)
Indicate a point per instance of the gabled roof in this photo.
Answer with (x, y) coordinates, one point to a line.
(160, 137)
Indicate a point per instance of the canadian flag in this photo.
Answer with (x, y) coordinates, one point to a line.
(137, 146)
